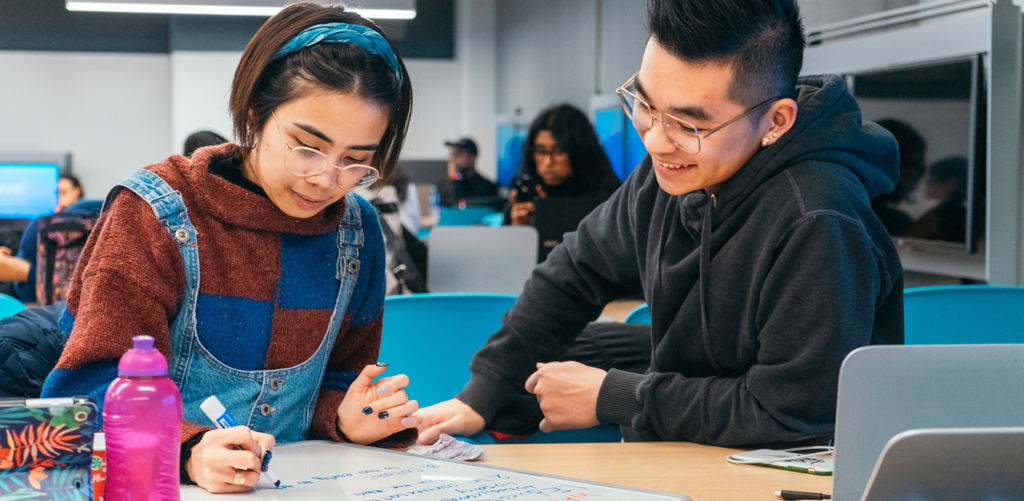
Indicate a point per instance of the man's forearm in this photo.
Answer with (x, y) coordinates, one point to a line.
(14, 269)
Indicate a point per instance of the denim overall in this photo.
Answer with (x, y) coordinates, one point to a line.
(279, 402)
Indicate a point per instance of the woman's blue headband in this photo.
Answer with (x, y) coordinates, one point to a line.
(369, 40)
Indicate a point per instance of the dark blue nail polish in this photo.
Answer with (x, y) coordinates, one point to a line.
(266, 461)
(381, 364)
(367, 410)
(382, 415)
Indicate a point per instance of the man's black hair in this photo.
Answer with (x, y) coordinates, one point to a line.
(762, 40)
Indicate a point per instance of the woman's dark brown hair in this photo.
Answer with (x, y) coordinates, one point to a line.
(261, 84)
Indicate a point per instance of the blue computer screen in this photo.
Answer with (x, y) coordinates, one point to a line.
(510, 152)
(28, 191)
(620, 140)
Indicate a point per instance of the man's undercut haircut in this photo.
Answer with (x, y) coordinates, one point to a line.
(761, 40)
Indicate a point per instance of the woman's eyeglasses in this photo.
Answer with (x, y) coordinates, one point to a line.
(305, 162)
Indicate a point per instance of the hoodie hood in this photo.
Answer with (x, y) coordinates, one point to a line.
(828, 128)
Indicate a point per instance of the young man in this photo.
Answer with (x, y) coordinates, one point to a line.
(462, 181)
(749, 231)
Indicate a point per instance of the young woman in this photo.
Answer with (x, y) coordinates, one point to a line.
(563, 155)
(284, 324)
(69, 192)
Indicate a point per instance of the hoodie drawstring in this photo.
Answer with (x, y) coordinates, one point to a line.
(705, 269)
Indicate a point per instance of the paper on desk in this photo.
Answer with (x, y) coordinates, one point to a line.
(448, 447)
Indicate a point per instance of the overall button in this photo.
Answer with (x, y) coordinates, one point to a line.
(181, 235)
(276, 383)
(266, 409)
(353, 267)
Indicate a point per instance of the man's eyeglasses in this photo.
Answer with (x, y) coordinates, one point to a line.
(681, 133)
(305, 162)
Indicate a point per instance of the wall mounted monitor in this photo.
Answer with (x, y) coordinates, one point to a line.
(620, 140)
(511, 138)
(937, 112)
(28, 191)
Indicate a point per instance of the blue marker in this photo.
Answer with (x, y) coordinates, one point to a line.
(223, 420)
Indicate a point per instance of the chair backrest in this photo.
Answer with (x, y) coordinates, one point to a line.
(481, 259)
(9, 306)
(964, 314)
(431, 337)
(640, 315)
(885, 390)
(454, 216)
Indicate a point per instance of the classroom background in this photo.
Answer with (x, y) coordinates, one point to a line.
(102, 94)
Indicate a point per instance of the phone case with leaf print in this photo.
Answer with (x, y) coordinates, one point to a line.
(46, 448)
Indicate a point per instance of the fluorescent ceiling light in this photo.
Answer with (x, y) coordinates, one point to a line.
(223, 10)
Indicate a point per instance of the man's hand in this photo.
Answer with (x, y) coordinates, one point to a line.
(452, 417)
(567, 392)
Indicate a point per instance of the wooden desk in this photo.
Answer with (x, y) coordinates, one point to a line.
(619, 309)
(698, 471)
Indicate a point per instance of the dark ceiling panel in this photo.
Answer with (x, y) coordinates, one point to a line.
(48, 25)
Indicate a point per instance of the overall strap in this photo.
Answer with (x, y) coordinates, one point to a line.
(169, 207)
(350, 238)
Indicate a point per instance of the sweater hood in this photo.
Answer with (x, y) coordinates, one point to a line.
(234, 204)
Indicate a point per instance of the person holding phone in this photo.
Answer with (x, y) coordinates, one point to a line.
(255, 267)
(562, 157)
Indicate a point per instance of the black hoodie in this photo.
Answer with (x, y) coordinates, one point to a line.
(753, 308)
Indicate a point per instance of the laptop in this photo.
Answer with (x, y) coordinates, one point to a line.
(950, 464)
(554, 217)
(886, 390)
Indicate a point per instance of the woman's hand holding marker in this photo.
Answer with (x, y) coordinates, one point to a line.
(372, 410)
(216, 463)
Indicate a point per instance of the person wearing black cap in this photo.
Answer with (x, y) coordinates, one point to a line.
(462, 181)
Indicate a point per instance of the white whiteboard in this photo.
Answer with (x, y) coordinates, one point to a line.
(325, 470)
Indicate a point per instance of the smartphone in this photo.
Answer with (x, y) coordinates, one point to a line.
(525, 188)
(816, 465)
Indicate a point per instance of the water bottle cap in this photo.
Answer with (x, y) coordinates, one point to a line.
(142, 359)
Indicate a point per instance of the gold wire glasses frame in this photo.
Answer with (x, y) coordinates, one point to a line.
(681, 133)
(308, 162)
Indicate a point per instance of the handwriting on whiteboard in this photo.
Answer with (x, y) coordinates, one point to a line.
(497, 487)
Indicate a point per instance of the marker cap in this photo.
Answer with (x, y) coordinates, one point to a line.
(213, 408)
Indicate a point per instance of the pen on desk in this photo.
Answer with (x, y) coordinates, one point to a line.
(795, 495)
(222, 419)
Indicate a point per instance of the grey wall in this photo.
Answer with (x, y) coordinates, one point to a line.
(819, 12)
(555, 51)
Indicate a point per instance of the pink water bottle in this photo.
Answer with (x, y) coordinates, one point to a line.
(142, 421)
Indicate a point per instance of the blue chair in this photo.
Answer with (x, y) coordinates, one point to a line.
(964, 314)
(640, 315)
(454, 216)
(431, 337)
(9, 306)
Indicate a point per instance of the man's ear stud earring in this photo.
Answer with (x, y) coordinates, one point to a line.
(775, 134)
(764, 142)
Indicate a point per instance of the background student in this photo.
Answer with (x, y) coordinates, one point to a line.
(291, 264)
(463, 182)
(563, 156)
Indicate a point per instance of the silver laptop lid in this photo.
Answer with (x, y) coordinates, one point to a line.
(885, 390)
(950, 464)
